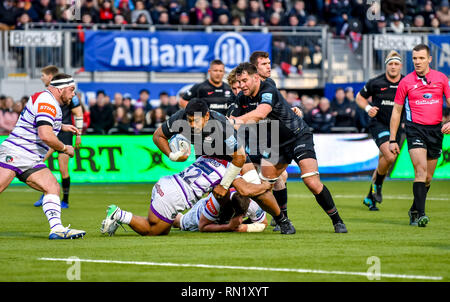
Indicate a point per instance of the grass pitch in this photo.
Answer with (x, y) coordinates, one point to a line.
(314, 253)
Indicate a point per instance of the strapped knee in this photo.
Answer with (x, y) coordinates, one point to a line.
(269, 180)
(309, 174)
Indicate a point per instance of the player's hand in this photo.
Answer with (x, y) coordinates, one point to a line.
(179, 156)
(268, 186)
(297, 111)
(77, 142)
(235, 222)
(446, 128)
(69, 128)
(219, 192)
(69, 151)
(373, 111)
(394, 148)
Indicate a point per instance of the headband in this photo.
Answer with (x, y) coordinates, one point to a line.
(392, 59)
(63, 83)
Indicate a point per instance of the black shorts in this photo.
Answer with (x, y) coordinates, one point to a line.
(428, 137)
(381, 133)
(66, 138)
(301, 148)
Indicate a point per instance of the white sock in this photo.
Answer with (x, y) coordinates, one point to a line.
(51, 205)
(123, 216)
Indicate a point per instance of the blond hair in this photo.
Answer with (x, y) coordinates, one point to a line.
(231, 79)
(392, 55)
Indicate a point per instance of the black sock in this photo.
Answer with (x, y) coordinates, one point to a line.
(420, 195)
(66, 189)
(281, 197)
(279, 217)
(325, 200)
(379, 179)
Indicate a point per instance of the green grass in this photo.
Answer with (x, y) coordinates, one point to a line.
(402, 249)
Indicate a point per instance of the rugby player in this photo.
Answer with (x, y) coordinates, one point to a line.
(382, 90)
(22, 153)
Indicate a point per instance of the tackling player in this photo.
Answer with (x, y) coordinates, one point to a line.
(22, 153)
(421, 93)
(204, 216)
(382, 90)
(73, 108)
(263, 101)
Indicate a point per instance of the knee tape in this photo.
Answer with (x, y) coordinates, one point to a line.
(269, 180)
(252, 177)
(310, 174)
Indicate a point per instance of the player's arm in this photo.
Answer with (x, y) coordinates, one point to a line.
(249, 189)
(78, 116)
(255, 227)
(233, 169)
(259, 113)
(363, 103)
(46, 134)
(206, 225)
(395, 122)
(162, 142)
(446, 127)
(183, 103)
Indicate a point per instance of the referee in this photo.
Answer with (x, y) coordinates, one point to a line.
(421, 93)
(382, 90)
(213, 91)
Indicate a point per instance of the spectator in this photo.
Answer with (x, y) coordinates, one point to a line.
(106, 12)
(293, 99)
(119, 19)
(173, 105)
(207, 20)
(138, 120)
(299, 11)
(144, 100)
(165, 105)
(428, 13)
(381, 25)
(277, 7)
(223, 20)
(163, 18)
(254, 20)
(86, 117)
(254, 11)
(361, 117)
(419, 21)
(200, 10)
(236, 21)
(22, 20)
(217, 9)
(175, 10)
(128, 104)
(435, 24)
(8, 13)
(443, 14)
(142, 20)
(26, 6)
(90, 7)
(239, 11)
(125, 9)
(41, 7)
(118, 4)
(274, 20)
(343, 110)
(102, 118)
(8, 117)
(86, 19)
(60, 7)
(307, 105)
(338, 12)
(321, 119)
(184, 19)
(140, 9)
(118, 100)
(122, 121)
(397, 25)
(155, 118)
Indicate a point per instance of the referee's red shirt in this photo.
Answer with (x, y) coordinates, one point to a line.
(423, 97)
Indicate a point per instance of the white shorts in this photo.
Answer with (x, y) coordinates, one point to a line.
(168, 199)
(19, 162)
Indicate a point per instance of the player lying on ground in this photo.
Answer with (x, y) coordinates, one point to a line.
(221, 143)
(177, 193)
(208, 216)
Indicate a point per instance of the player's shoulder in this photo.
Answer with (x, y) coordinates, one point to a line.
(43, 96)
(217, 116)
(271, 82)
(439, 75)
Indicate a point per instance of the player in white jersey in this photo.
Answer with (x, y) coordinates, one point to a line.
(22, 153)
(204, 216)
(176, 193)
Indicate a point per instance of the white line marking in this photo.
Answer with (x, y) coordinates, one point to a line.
(254, 268)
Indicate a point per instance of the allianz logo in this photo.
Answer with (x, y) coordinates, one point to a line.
(231, 48)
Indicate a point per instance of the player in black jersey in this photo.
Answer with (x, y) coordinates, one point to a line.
(198, 130)
(74, 108)
(213, 91)
(262, 62)
(263, 102)
(382, 90)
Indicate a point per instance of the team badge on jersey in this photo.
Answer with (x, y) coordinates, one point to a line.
(9, 159)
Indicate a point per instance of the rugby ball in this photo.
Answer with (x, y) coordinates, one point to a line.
(180, 143)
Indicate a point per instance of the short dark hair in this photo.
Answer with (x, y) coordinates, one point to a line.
(420, 47)
(61, 76)
(144, 90)
(247, 67)
(216, 62)
(50, 69)
(163, 93)
(196, 105)
(240, 204)
(256, 55)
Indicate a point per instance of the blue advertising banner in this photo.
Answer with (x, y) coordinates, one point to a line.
(442, 43)
(169, 51)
